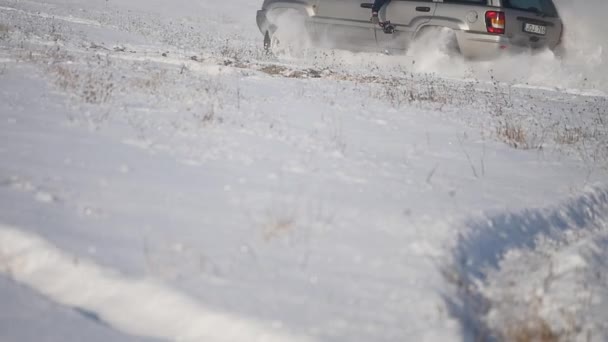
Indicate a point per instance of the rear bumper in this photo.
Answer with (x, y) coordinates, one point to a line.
(487, 46)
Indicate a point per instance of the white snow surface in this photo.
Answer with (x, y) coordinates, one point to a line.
(164, 179)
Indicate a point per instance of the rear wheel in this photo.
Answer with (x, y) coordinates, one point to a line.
(271, 43)
(438, 37)
(287, 32)
(451, 46)
(267, 42)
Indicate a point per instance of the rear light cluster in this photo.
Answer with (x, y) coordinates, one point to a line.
(495, 22)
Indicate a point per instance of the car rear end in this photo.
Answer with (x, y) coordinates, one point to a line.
(532, 23)
(512, 26)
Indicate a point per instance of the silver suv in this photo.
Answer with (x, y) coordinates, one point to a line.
(478, 28)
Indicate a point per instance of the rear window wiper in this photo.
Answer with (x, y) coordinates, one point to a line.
(535, 11)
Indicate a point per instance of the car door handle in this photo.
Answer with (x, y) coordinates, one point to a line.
(423, 9)
(367, 5)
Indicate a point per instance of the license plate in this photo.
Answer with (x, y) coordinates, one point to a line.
(537, 29)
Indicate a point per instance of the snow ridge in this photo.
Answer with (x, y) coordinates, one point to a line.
(479, 254)
(135, 306)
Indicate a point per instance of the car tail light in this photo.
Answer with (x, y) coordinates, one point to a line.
(495, 22)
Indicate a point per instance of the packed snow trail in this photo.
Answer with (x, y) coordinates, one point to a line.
(137, 306)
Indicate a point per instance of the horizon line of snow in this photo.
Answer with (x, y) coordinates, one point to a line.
(70, 19)
(139, 307)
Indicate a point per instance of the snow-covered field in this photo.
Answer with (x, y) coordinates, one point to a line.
(164, 179)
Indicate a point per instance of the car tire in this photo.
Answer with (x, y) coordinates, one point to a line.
(267, 42)
(452, 48)
(446, 35)
(271, 43)
(287, 33)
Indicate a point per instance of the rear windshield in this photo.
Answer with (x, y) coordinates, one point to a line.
(543, 7)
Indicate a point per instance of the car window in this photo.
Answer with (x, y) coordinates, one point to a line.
(476, 2)
(545, 7)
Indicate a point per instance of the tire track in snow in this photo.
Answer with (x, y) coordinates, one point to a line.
(480, 250)
(135, 306)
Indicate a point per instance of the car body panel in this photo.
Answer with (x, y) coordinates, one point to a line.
(468, 22)
(343, 23)
(408, 17)
(306, 8)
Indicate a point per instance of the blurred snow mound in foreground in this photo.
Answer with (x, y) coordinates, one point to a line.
(137, 306)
